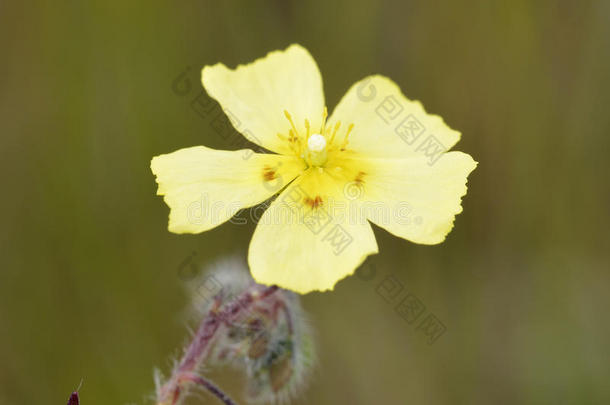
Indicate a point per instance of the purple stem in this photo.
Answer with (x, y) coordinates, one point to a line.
(211, 387)
(197, 350)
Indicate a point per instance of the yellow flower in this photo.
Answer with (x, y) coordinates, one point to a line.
(378, 158)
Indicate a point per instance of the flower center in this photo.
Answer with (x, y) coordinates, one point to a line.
(315, 146)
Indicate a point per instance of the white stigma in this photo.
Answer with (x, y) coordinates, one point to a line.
(316, 143)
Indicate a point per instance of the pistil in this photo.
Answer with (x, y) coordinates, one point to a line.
(317, 153)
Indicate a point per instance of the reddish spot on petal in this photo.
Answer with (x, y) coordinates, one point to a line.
(359, 179)
(313, 203)
(269, 173)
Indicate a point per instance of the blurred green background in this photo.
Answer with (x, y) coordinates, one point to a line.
(89, 284)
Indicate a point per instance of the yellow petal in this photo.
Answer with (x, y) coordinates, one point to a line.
(303, 249)
(254, 96)
(205, 187)
(387, 124)
(415, 200)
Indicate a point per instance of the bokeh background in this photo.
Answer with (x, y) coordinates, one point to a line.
(89, 284)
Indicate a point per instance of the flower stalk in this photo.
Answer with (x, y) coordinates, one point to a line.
(248, 325)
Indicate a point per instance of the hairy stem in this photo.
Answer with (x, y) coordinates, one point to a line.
(186, 372)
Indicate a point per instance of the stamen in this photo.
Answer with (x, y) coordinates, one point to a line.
(332, 138)
(324, 115)
(315, 146)
(291, 139)
(289, 117)
(345, 140)
(295, 142)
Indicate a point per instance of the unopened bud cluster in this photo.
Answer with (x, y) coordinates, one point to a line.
(256, 328)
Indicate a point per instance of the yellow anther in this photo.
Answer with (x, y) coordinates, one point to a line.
(324, 115)
(307, 127)
(332, 138)
(289, 117)
(349, 129)
(345, 141)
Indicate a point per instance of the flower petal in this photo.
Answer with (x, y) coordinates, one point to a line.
(205, 187)
(299, 244)
(419, 200)
(387, 124)
(254, 96)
